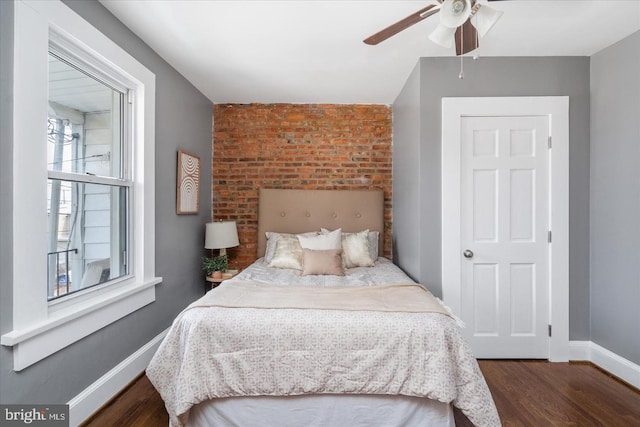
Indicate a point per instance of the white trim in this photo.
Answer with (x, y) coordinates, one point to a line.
(557, 108)
(39, 328)
(607, 360)
(92, 179)
(48, 337)
(580, 350)
(17, 336)
(87, 402)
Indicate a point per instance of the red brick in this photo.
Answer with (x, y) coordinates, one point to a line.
(312, 146)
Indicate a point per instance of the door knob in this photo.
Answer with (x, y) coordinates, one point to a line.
(468, 253)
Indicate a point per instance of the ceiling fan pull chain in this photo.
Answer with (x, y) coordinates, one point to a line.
(461, 75)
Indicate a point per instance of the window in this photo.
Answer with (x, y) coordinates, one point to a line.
(83, 187)
(88, 185)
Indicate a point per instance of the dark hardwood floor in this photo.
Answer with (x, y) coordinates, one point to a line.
(526, 392)
(139, 405)
(539, 393)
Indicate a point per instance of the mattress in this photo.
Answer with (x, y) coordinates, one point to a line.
(311, 361)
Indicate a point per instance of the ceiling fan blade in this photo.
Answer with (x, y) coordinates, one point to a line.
(470, 35)
(403, 24)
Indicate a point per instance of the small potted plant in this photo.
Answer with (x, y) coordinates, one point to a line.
(215, 266)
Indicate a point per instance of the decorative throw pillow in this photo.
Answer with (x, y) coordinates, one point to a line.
(272, 241)
(325, 262)
(330, 240)
(373, 241)
(373, 244)
(355, 250)
(288, 253)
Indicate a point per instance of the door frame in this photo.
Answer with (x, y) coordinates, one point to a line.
(557, 109)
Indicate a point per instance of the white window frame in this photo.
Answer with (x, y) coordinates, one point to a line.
(40, 328)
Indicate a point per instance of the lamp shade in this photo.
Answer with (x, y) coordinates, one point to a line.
(443, 35)
(221, 234)
(485, 18)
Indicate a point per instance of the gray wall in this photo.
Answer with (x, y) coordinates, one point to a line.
(183, 121)
(615, 198)
(6, 176)
(406, 176)
(512, 76)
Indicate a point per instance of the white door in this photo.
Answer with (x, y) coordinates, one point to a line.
(504, 231)
(501, 194)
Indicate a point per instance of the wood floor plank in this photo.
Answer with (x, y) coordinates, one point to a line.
(527, 393)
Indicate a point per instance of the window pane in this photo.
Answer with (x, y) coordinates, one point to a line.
(85, 122)
(86, 235)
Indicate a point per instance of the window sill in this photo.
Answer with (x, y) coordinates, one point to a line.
(65, 327)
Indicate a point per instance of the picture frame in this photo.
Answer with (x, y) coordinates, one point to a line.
(188, 184)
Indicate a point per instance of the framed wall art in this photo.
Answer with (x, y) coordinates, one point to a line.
(188, 195)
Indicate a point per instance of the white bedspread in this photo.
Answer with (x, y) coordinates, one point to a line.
(215, 352)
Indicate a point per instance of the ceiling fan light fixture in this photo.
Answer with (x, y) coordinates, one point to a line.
(454, 13)
(485, 19)
(443, 36)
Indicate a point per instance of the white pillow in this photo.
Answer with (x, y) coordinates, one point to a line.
(272, 241)
(355, 250)
(288, 253)
(373, 241)
(325, 241)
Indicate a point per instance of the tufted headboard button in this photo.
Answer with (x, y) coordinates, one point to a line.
(283, 214)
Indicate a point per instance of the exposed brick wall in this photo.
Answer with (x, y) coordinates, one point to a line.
(295, 146)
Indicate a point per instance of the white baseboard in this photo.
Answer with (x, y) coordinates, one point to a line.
(607, 360)
(100, 392)
(580, 350)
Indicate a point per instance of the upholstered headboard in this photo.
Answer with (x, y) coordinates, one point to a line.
(298, 211)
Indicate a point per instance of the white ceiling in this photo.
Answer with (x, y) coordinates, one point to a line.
(312, 51)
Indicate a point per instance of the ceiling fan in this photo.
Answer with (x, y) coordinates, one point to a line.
(460, 20)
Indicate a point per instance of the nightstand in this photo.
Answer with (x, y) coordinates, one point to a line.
(225, 276)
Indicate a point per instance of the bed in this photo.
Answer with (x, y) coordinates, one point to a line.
(321, 330)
